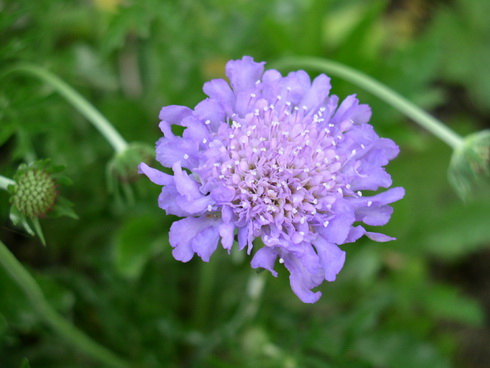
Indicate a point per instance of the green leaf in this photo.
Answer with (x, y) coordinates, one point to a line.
(137, 241)
(24, 363)
(447, 303)
(458, 230)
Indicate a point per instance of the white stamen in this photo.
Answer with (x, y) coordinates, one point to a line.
(207, 122)
(369, 203)
(325, 223)
(186, 156)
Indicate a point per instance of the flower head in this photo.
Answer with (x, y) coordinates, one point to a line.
(275, 158)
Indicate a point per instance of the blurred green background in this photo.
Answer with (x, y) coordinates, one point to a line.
(421, 301)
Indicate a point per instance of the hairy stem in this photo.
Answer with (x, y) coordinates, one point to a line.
(378, 89)
(66, 330)
(78, 101)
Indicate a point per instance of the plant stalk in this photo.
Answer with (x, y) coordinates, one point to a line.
(78, 101)
(5, 182)
(64, 329)
(378, 89)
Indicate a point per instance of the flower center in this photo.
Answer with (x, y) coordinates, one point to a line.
(283, 166)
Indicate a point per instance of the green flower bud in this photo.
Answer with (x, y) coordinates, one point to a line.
(469, 171)
(34, 192)
(124, 166)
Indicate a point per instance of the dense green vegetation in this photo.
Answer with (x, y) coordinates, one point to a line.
(420, 301)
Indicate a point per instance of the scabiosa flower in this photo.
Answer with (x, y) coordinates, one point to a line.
(274, 158)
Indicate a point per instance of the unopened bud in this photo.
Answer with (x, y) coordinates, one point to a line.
(124, 165)
(469, 171)
(34, 193)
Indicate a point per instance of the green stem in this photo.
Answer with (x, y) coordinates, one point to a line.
(5, 182)
(245, 313)
(78, 101)
(66, 330)
(376, 88)
(203, 304)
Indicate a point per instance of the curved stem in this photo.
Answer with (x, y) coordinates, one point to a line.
(66, 330)
(5, 182)
(78, 101)
(378, 89)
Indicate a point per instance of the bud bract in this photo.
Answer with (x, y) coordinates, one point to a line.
(469, 171)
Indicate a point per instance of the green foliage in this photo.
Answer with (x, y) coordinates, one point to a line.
(111, 272)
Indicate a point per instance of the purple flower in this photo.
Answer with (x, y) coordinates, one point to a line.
(274, 158)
